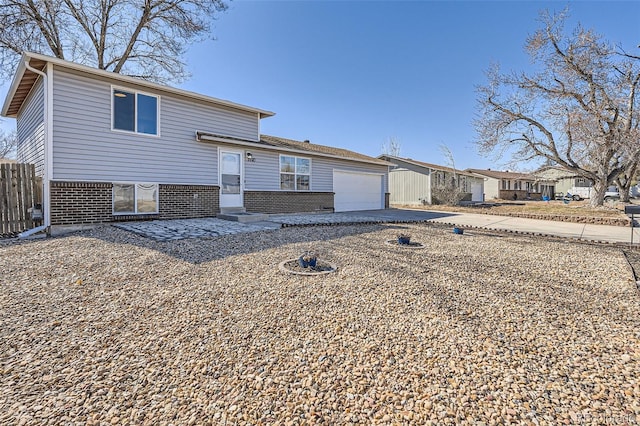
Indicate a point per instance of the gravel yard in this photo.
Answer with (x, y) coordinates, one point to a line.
(107, 327)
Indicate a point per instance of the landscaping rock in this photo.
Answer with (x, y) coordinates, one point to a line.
(107, 327)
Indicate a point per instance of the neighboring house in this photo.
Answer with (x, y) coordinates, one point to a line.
(564, 179)
(411, 182)
(507, 185)
(111, 147)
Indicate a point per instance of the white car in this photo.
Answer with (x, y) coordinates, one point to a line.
(580, 193)
(612, 195)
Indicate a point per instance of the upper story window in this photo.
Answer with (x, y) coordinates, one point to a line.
(135, 112)
(295, 173)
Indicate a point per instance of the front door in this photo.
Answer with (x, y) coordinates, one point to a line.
(231, 179)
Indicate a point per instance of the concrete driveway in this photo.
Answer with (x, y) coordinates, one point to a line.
(168, 230)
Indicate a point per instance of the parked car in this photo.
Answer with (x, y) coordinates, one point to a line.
(578, 193)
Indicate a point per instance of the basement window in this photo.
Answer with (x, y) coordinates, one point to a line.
(135, 198)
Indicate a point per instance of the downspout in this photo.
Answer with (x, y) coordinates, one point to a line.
(48, 151)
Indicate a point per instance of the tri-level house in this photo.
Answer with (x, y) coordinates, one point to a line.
(111, 147)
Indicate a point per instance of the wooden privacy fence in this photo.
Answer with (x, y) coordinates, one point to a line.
(20, 190)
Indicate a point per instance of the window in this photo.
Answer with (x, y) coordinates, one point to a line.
(463, 184)
(135, 112)
(583, 183)
(230, 175)
(295, 173)
(135, 198)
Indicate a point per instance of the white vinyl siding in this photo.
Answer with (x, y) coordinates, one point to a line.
(409, 187)
(30, 128)
(491, 188)
(85, 147)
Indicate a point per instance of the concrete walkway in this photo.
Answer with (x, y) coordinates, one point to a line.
(581, 231)
(587, 232)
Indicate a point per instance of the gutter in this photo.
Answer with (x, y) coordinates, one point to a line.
(48, 151)
(210, 137)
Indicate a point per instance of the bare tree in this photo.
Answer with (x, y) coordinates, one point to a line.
(579, 110)
(625, 179)
(447, 186)
(8, 144)
(142, 38)
(391, 147)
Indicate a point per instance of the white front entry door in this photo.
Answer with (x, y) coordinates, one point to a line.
(231, 179)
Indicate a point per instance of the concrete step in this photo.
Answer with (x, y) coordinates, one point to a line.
(225, 210)
(243, 217)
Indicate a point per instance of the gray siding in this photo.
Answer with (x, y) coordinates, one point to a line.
(85, 147)
(30, 127)
(409, 187)
(264, 173)
(322, 172)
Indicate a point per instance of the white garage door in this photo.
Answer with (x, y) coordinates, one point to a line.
(357, 191)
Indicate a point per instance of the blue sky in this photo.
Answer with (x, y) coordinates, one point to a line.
(353, 73)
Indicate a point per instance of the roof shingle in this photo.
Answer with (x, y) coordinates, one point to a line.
(278, 142)
(496, 174)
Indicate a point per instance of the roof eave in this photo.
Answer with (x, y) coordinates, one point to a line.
(14, 86)
(110, 75)
(429, 166)
(210, 137)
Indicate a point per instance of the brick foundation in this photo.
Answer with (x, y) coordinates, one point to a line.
(188, 201)
(287, 201)
(76, 203)
(507, 194)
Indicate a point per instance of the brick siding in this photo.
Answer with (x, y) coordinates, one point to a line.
(75, 203)
(287, 201)
(182, 201)
(507, 194)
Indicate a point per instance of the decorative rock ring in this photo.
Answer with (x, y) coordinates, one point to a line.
(411, 245)
(322, 268)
